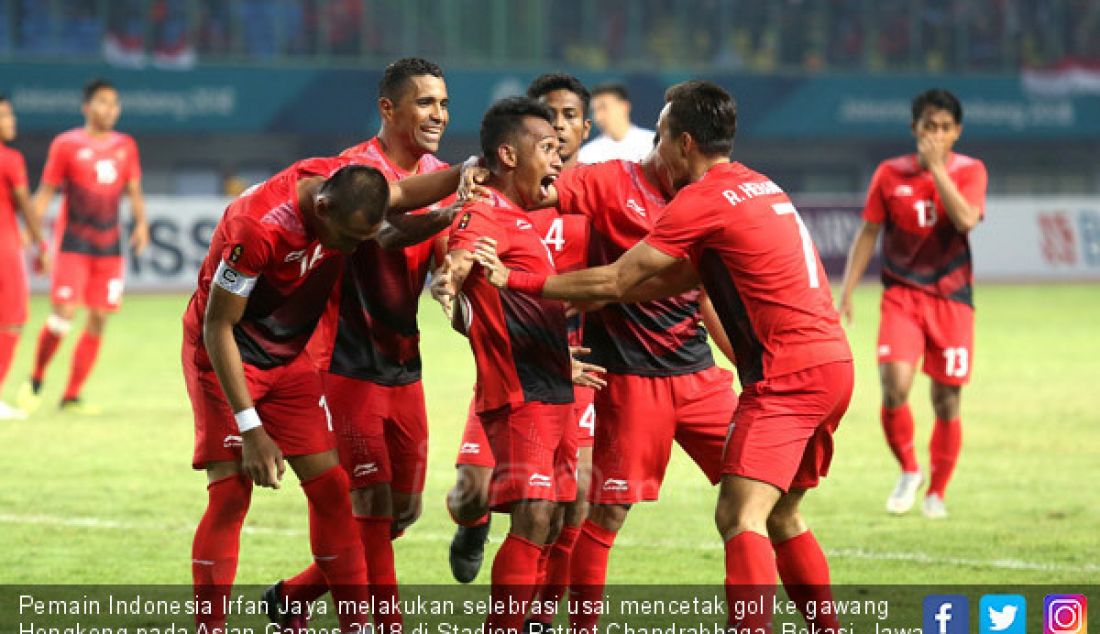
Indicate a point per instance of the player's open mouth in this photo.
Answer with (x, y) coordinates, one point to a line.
(545, 183)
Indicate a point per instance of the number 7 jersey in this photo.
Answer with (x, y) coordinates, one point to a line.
(760, 269)
(920, 246)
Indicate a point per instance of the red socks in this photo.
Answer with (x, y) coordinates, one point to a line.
(374, 532)
(805, 574)
(750, 579)
(48, 341)
(588, 572)
(897, 423)
(335, 544)
(557, 570)
(8, 339)
(305, 587)
(217, 541)
(944, 451)
(83, 359)
(515, 569)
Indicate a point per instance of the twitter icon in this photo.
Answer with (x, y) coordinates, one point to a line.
(1003, 614)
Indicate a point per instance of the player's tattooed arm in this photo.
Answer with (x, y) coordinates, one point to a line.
(261, 459)
(863, 246)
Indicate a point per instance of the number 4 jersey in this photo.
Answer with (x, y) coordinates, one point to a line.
(920, 246)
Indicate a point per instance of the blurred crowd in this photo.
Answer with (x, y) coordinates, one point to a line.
(747, 35)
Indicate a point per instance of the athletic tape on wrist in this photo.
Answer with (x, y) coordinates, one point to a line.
(247, 419)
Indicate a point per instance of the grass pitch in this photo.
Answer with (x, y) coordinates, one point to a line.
(112, 499)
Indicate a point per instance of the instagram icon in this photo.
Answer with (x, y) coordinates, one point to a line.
(1065, 614)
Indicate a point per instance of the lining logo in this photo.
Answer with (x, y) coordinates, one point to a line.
(523, 224)
(294, 256)
(903, 190)
(65, 292)
(232, 442)
(539, 480)
(470, 448)
(613, 484)
(633, 205)
(84, 154)
(883, 350)
(364, 469)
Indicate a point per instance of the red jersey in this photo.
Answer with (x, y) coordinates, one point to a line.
(518, 340)
(760, 268)
(262, 250)
(13, 174)
(92, 172)
(567, 239)
(920, 246)
(370, 330)
(658, 338)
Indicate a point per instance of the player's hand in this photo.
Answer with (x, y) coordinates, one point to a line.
(585, 374)
(471, 181)
(485, 252)
(442, 287)
(931, 152)
(845, 309)
(42, 262)
(139, 238)
(261, 458)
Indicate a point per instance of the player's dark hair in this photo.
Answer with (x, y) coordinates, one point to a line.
(611, 88)
(707, 112)
(357, 187)
(96, 85)
(396, 76)
(549, 82)
(939, 99)
(4, 97)
(504, 119)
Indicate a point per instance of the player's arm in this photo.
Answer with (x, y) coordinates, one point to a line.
(402, 229)
(859, 256)
(674, 280)
(457, 266)
(21, 196)
(139, 237)
(42, 198)
(612, 282)
(261, 459)
(714, 327)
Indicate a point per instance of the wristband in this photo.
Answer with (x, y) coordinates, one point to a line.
(530, 283)
(247, 419)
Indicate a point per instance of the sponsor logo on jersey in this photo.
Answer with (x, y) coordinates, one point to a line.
(539, 480)
(470, 448)
(364, 469)
(613, 484)
(231, 442)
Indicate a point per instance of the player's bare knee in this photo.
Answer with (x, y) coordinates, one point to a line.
(531, 519)
(406, 510)
(576, 511)
(946, 401)
(372, 500)
(609, 516)
(312, 465)
(97, 322)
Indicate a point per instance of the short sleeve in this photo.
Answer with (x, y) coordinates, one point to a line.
(248, 248)
(470, 224)
(681, 226)
(134, 167)
(578, 190)
(57, 161)
(972, 184)
(15, 171)
(874, 209)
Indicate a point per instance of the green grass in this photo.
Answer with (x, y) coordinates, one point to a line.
(112, 499)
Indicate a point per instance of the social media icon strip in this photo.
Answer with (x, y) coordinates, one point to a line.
(1065, 614)
(946, 614)
(1002, 614)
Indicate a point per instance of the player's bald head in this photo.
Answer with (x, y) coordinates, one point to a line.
(356, 188)
(705, 111)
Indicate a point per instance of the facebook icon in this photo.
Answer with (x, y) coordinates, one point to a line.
(946, 614)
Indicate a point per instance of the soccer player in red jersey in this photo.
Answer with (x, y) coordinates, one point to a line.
(95, 165)
(761, 270)
(524, 394)
(368, 345)
(928, 202)
(14, 195)
(567, 239)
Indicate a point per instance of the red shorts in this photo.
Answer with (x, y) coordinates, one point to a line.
(474, 450)
(915, 323)
(92, 280)
(289, 400)
(783, 428)
(13, 288)
(640, 416)
(381, 432)
(536, 453)
(584, 414)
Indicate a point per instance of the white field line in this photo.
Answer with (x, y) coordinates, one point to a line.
(415, 536)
